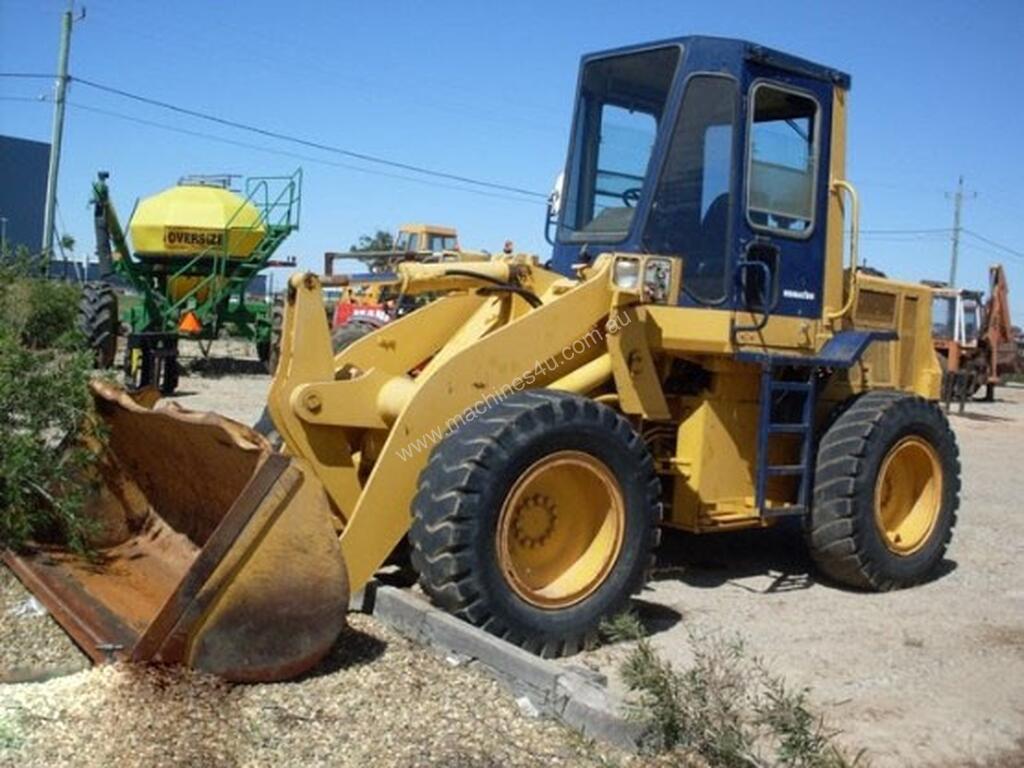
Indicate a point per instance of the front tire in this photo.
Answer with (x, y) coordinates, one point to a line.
(537, 520)
(886, 492)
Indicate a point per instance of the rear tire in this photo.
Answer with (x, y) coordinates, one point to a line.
(499, 519)
(98, 322)
(886, 492)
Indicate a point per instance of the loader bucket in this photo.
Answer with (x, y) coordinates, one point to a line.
(212, 551)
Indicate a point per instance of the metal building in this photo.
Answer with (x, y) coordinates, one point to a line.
(23, 165)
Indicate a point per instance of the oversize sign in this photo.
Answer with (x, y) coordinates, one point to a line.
(181, 239)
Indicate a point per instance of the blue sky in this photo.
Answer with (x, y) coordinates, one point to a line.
(485, 90)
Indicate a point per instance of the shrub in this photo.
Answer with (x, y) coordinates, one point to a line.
(44, 404)
(726, 708)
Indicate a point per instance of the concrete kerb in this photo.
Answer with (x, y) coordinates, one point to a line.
(576, 699)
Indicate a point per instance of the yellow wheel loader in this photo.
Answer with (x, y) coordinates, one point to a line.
(701, 352)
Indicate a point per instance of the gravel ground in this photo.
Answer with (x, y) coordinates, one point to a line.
(377, 700)
(231, 381)
(932, 675)
(928, 676)
(31, 643)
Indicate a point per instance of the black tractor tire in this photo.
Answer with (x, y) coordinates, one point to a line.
(844, 537)
(263, 349)
(349, 333)
(474, 470)
(271, 353)
(98, 322)
(171, 376)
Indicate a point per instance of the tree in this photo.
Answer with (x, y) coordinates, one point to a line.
(379, 241)
(67, 243)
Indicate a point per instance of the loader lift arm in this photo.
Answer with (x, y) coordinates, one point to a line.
(317, 413)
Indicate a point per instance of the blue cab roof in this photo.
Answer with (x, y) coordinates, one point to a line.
(733, 48)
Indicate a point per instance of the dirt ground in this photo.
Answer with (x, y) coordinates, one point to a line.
(927, 676)
(932, 676)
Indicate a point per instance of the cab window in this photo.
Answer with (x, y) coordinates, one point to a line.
(621, 102)
(783, 161)
(441, 243)
(943, 316)
(690, 214)
(408, 242)
(970, 321)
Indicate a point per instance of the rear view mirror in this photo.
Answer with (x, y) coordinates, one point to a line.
(554, 207)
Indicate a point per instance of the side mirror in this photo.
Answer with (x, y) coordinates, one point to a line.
(554, 207)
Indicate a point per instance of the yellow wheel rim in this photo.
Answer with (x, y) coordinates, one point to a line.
(560, 529)
(908, 495)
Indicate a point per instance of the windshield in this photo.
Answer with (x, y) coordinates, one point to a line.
(970, 321)
(407, 242)
(622, 99)
(943, 317)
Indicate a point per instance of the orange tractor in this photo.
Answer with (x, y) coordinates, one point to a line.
(975, 340)
(372, 300)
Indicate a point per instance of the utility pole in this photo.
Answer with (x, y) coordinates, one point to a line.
(61, 87)
(958, 204)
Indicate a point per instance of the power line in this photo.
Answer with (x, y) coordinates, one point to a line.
(1000, 246)
(982, 249)
(286, 153)
(928, 239)
(883, 232)
(904, 231)
(28, 75)
(308, 143)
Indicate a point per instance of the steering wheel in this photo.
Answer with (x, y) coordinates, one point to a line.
(631, 196)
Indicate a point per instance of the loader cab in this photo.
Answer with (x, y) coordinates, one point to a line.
(415, 238)
(710, 150)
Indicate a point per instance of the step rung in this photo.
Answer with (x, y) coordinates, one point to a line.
(786, 469)
(790, 510)
(788, 429)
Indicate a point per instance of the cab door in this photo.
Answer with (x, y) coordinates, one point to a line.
(693, 203)
(780, 219)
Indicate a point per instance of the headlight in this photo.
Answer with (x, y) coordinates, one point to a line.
(626, 273)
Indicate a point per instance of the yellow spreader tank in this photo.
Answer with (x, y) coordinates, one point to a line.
(193, 219)
(197, 250)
